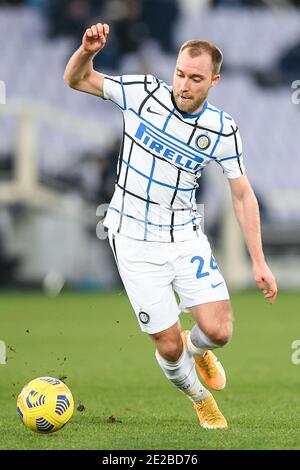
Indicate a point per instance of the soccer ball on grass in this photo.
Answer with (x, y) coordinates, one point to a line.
(45, 405)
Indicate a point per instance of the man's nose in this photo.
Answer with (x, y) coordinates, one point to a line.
(185, 84)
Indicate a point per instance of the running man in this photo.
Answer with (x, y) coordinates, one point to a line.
(170, 135)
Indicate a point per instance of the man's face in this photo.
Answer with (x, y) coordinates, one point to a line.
(192, 81)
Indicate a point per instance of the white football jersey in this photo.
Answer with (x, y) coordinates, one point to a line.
(163, 153)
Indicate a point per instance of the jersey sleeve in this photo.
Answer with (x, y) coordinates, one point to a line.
(231, 156)
(127, 91)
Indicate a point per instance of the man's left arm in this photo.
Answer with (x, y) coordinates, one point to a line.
(247, 212)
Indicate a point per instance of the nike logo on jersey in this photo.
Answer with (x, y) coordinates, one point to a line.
(216, 285)
(153, 112)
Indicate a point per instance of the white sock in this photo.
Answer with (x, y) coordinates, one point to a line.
(182, 374)
(198, 343)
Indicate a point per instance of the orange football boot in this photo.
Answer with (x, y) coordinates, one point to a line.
(210, 417)
(208, 366)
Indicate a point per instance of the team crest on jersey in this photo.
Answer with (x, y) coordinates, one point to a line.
(144, 317)
(203, 141)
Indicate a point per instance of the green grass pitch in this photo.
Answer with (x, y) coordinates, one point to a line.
(94, 341)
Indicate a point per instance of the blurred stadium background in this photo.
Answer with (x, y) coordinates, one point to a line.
(58, 148)
(58, 155)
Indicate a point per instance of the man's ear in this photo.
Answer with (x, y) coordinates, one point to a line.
(215, 79)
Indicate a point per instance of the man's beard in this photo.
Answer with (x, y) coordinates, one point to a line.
(190, 106)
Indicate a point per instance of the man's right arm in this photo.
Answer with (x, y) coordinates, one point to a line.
(79, 73)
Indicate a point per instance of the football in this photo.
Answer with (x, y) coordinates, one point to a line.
(45, 405)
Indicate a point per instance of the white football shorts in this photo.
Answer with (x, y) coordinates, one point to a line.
(152, 272)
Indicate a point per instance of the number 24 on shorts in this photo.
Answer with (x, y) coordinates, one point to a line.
(200, 273)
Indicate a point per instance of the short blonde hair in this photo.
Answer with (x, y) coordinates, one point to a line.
(196, 47)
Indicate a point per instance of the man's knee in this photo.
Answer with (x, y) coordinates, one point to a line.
(215, 321)
(222, 335)
(168, 348)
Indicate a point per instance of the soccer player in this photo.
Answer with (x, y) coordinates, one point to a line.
(171, 134)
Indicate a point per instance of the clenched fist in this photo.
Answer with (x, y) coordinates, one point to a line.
(94, 38)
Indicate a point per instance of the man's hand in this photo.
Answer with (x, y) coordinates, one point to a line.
(79, 73)
(265, 281)
(95, 37)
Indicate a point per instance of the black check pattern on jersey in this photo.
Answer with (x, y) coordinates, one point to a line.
(133, 142)
(152, 94)
(124, 187)
(237, 148)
